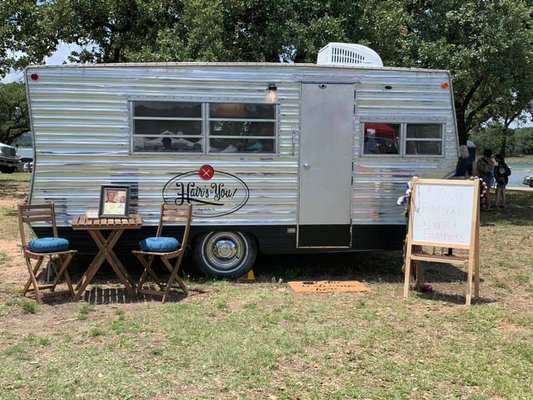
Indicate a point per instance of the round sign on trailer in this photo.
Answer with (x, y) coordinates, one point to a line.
(206, 172)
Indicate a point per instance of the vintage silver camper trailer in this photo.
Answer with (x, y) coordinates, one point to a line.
(279, 158)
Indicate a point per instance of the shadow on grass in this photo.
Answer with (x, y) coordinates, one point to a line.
(376, 266)
(120, 295)
(372, 267)
(99, 291)
(98, 295)
(451, 298)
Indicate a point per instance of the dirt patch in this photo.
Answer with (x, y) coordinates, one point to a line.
(56, 313)
(14, 270)
(13, 191)
(10, 203)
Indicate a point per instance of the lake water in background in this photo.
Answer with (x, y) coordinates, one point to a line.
(518, 172)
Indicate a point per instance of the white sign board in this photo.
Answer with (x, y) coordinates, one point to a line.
(442, 214)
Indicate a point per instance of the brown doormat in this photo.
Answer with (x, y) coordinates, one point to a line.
(327, 286)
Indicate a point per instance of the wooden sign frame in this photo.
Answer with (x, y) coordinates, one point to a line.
(413, 252)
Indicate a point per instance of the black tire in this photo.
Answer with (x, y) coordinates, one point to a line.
(224, 254)
(531, 183)
(7, 170)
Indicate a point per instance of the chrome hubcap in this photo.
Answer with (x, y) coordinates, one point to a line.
(225, 249)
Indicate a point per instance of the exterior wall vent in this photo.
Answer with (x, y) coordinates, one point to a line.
(348, 54)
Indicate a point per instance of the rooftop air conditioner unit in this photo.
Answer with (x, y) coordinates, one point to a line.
(349, 55)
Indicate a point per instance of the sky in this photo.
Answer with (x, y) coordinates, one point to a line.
(58, 57)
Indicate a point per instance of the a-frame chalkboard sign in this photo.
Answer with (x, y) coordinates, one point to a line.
(444, 213)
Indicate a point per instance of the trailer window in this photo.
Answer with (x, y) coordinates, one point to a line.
(242, 128)
(167, 126)
(423, 139)
(381, 138)
(160, 126)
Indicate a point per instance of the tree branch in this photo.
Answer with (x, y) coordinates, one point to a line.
(468, 97)
(469, 118)
(511, 118)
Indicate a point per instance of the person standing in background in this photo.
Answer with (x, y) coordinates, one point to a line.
(501, 174)
(485, 171)
(463, 168)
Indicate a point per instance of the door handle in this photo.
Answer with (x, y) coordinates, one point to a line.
(306, 165)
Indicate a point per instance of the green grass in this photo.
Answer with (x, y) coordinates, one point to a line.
(17, 177)
(84, 311)
(29, 307)
(287, 346)
(4, 259)
(262, 341)
(14, 186)
(10, 228)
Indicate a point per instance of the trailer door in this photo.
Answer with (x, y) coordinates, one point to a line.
(326, 165)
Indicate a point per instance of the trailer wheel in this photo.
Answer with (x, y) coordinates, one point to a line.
(225, 254)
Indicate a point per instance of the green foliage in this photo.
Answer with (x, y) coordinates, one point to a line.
(25, 37)
(517, 142)
(524, 141)
(14, 119)
(486, 45)
(108, 30)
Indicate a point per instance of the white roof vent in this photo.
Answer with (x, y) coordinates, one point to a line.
(349, 55)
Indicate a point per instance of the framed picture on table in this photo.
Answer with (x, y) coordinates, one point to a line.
(114, 201)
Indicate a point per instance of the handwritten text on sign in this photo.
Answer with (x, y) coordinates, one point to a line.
(443, 214)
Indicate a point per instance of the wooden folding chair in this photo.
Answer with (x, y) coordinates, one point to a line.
(39, 249)
(169, 213)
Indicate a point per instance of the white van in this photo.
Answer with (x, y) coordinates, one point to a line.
(8, 159)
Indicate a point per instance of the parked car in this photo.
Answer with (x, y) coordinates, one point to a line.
(26, 164)
(8, 159)
(528, 180)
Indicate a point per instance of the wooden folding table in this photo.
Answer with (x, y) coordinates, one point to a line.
(116, 227)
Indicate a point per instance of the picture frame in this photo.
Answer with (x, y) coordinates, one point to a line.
(114, 201)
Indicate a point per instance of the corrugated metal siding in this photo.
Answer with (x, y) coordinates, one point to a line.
(81, 123)
(413, 97)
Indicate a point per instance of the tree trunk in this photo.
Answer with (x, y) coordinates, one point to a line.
(503, 147)
(461, 124)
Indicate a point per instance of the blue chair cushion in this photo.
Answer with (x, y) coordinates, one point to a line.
(48, 245)
(160, 244)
